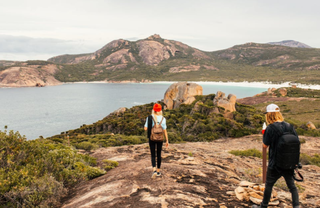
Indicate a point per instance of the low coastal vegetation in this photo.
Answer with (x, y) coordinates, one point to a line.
(199, 121)
(299, 92)
(192, 123)
(38, 173)
(301, 108)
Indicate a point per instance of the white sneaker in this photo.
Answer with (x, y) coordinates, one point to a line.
(158, 174)
(154, 174)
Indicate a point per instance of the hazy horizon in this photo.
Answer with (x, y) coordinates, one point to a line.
(39, 30)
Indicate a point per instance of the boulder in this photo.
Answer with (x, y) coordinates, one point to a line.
(119, 111)
(181, 93)
(310, 125)
(283, 91)
(229, 103)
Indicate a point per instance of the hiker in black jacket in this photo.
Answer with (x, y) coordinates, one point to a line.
(271, 137)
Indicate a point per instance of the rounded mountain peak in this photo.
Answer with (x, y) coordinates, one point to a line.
(155, 36)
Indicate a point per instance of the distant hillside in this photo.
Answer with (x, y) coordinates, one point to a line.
(273, 62)
(153, 58)
(158, 59)
(28, 74)
(291, 43)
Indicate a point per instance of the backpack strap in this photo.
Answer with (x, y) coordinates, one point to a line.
(300, 175)
(149, 125)
(161, 120)
(156, 122)
(277, 129)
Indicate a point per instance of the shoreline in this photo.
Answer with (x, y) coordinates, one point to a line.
(240, 84)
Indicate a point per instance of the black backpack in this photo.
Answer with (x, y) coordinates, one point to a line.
(287, 147)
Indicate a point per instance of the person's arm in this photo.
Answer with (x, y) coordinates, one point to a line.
(146, 125)
(166, 136)
(266, 138)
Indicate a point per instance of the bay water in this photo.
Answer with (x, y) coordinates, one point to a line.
(47, 111)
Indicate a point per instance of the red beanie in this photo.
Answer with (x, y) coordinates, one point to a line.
(157, 107)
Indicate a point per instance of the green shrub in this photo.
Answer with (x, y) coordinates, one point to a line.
(246, 153)
(110, 164)
(302, 140)
(88, 146)
(37, 173)
(310, 160)
(174, 137)
(93, 172)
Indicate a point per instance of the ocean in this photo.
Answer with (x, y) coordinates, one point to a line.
(47, 111)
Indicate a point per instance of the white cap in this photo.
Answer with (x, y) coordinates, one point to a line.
(272, 108)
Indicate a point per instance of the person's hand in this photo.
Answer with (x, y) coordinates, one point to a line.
(167, 144)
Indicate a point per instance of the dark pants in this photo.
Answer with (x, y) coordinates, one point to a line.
(152, 146)
(272, 176)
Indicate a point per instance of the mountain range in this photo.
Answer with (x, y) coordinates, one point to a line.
(157, 59)
(290, 43)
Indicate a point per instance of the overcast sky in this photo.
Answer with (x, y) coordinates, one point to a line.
(41, 29)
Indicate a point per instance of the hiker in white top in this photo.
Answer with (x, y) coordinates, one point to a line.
(157, 117)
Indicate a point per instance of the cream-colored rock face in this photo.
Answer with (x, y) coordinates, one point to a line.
(181, 93)
(310, 125)
(120, 57)
(283, 91)
(152, 52)
(29, 76)
(229, 103)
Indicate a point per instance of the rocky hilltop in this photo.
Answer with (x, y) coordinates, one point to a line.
(150, 51)
(29, 74)
(202, 174)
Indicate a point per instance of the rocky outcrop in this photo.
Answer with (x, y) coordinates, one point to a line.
(152, 52)
(310, 125)
(181, 93)
(119, 111)
(247, 191)
(29, 76)
(200, 174)
(283, 91)
(120, 56)
(228, 103)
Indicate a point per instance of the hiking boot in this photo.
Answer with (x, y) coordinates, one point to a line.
(158, 174)
(154, 174)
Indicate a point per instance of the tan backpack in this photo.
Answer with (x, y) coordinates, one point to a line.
(156, 131)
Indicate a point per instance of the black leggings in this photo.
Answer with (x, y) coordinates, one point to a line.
(152, 146)
(272, 176)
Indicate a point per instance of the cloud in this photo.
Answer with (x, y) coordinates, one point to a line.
(15, 47)
(23, 44)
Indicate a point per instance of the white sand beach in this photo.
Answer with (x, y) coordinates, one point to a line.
(255, 84)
